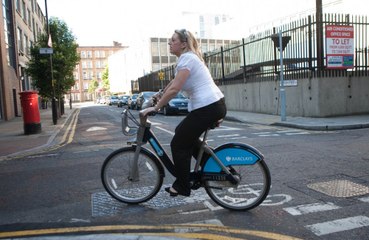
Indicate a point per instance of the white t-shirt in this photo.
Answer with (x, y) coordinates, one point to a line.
(199, 86)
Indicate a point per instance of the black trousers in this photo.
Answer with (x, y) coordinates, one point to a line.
(186, 139)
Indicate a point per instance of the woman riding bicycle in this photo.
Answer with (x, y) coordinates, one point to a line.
(206, 106)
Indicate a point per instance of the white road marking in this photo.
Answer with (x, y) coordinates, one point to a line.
(92, 129)
(310, 208)
(288, 131)
(230, 135)
(77, 220)
(225, 128)
(262, 133)
(281, 132)
(276, 199)
(296, 133)
(339, 225)
(234, 138)
(165, 130)
(44, 155)
(269, 135)
(364, 199)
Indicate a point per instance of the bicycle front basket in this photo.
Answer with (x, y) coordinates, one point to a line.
(126, 128)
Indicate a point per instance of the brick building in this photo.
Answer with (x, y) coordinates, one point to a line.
(22, 22)
(94, 60)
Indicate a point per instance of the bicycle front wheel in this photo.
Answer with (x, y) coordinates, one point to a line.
(117, 180)
(250, 192)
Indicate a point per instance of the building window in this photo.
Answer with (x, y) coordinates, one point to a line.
(89, 54)
(89, 64)
(90, 75)
(20, 40)
(29, 18)
(24, 13)
(75, 76)
(9, 32)
(99, 75)
(97, 54)
(216, 20)
(76, 86)
(26, 45)
(164, 48)
(102, 64)
(154, 49)
(18, 7)
(83, 54)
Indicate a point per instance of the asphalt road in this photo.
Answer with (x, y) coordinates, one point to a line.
(320, 184)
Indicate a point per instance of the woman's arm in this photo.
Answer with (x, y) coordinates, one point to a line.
(172, 89)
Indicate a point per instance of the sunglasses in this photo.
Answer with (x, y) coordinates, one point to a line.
(183, 34)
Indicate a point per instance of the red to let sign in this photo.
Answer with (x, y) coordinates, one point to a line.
(340, 46)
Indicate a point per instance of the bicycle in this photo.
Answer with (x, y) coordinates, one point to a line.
(234, 175)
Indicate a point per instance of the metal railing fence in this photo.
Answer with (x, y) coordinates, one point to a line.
(257, 57)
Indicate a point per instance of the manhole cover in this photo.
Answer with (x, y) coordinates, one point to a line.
(339, 188)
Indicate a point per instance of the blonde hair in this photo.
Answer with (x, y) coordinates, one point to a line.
(192, 43)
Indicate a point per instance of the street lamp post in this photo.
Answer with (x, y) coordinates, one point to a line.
(53, 102)
(280, 43)
(282, 89)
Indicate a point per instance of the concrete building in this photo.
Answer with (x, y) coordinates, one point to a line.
(126, 66)
(152, 55)
(94, 60)
(22, 22)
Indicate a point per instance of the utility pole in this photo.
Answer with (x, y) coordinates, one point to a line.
(319, 34)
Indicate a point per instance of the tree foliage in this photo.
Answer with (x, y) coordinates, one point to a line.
(64, 59)
(105, 79)
(93, 86)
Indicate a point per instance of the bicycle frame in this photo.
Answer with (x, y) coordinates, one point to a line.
(234, 175)
(145, 134)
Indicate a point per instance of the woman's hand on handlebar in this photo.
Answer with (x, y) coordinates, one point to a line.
(156, 97)
(148, 111)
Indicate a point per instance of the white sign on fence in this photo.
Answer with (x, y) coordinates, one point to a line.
(340, 46)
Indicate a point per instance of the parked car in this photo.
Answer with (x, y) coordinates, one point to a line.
(143, 98)
(104, 100)
(98, 100)
(113, 100)
(132, 101)
(177, 105)
(122, 101)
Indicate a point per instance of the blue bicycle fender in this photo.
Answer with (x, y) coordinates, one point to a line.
(233, 154)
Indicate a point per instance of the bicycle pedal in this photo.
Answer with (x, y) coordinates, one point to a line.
(195, 185)
(132, 141)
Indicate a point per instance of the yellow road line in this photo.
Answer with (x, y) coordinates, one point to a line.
(62, 143)
(190, 229)
(72, 125)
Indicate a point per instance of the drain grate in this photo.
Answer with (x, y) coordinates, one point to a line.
(104, 205)
(339, 188)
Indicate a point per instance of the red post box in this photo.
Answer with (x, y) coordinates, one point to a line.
(31, 113)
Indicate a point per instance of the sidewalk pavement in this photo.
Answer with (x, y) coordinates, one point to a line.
(13, 141)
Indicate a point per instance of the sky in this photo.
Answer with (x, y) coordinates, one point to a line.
(100, 22)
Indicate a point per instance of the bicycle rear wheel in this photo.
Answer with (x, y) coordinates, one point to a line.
(115, 175)
(250, 192)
